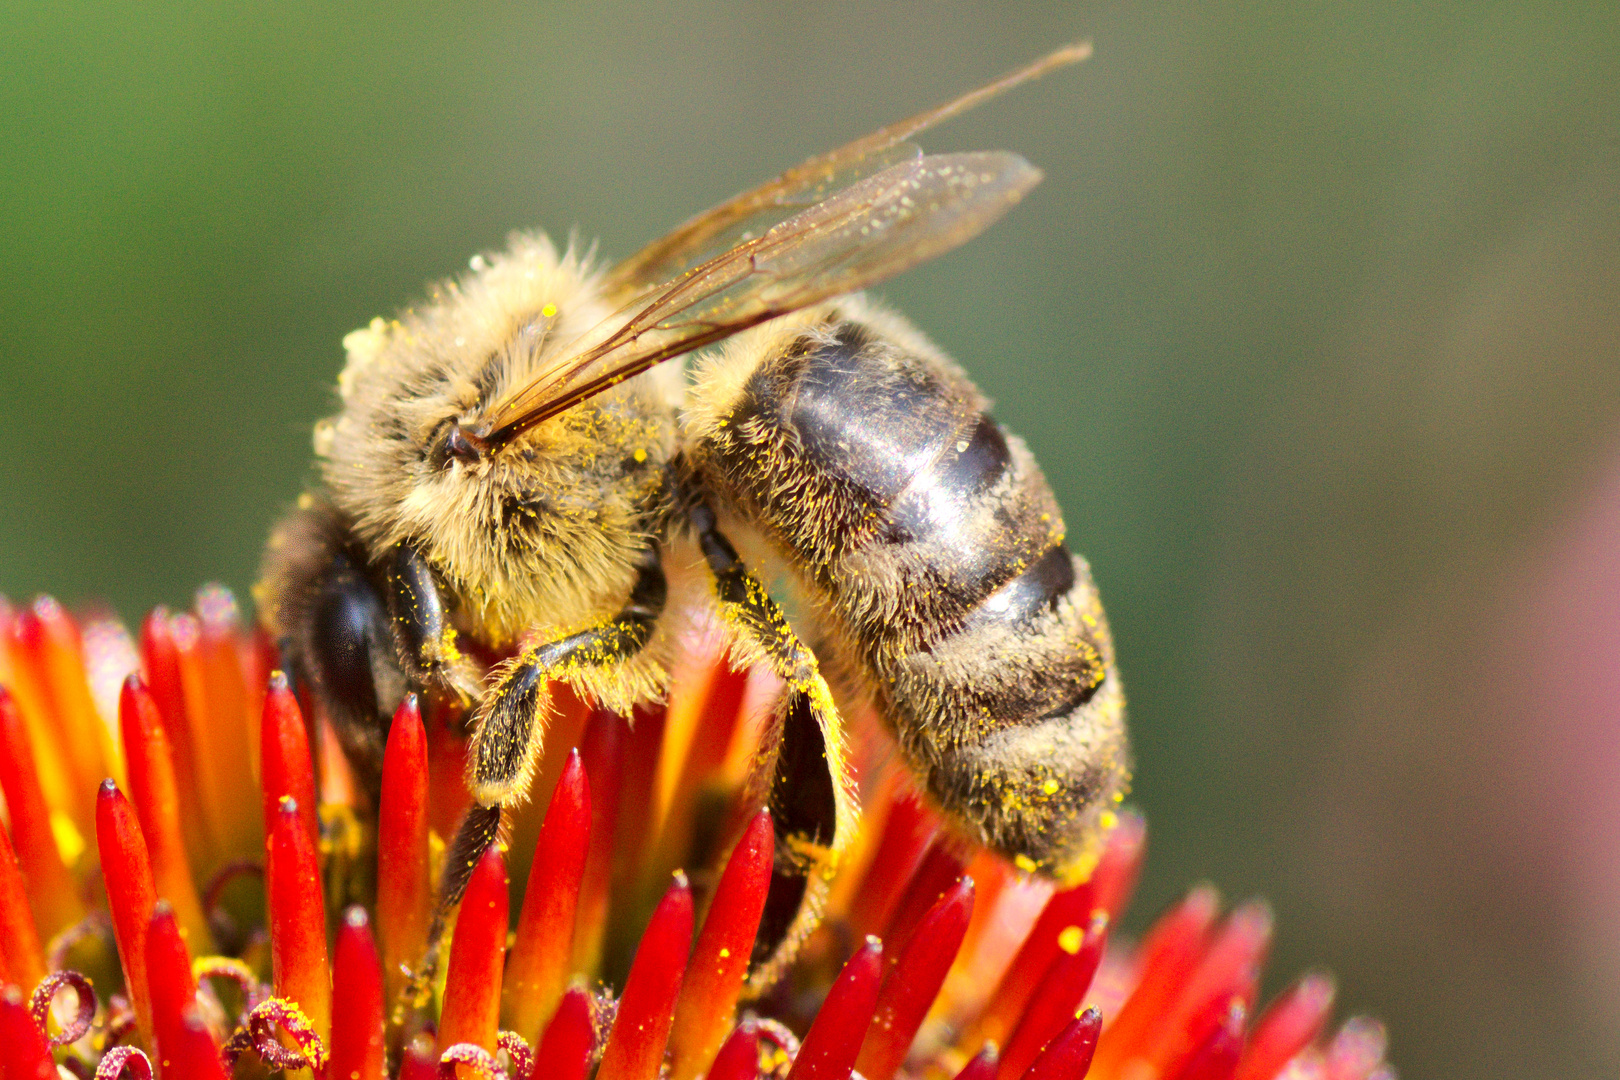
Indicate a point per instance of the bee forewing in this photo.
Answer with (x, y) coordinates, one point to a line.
(864, 234)
(753, 212)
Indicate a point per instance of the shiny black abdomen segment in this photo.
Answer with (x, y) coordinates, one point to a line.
(869, 421)
(350, 651)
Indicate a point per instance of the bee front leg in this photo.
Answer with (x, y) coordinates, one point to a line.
(802, 772)
(421, 622)
(510, 726)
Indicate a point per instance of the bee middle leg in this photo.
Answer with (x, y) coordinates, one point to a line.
(801, 773)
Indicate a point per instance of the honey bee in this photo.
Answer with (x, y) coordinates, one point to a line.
(514, 468)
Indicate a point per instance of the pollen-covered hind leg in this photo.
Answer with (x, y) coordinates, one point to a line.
(801, 772)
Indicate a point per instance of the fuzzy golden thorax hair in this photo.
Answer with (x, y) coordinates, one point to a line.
(540, 533)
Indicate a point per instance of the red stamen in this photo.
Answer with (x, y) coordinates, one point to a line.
(635, 1049)
(168, 974)
(537, 971)
(121, 1060)
(714, 979)
(404, 876)
(941, 869)
(1068, 1057)
(44, 996)
(21, 960)
(420, 1060)
(564, 1052)
(297, 918)
(907, 835)
(127, 872)
(1057, 999)
(447, 772)
(220, 743)
(829, 1047)
(600, 752)
(633, 833)
(738, 1059)
(24, 1053)
(160, 658)
(914, 981)
(983, 1065)
(52, 895)
(1288, 1026)
(472, 987)
(703, 715)
(284, 762)
(1217, 1058)
(357, 1003)
(1169, 955)
(153, 790)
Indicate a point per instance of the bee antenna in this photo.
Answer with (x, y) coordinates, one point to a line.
(464, 446)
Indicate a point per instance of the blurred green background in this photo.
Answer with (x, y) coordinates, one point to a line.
(1315, 324)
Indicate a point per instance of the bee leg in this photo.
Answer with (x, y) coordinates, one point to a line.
(801, 773)
(510, 726)
(427, 642)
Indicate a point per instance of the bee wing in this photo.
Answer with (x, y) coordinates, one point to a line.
(869, 231)
(754, 212)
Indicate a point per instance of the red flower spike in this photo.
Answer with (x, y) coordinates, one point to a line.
(600, 750)
(24, 1053)
(448, 798)
(153, 790)
(1057, 999)
(941, 869)
(538, 968)
(983, 1065)
(907, 836)
(127, 872)
(420, 1060)
(197, 1055)
(564, 1052)
(404, 876)
(285, 766)
(1288, 1026)
(829, 1047)
(61, 655)
(298, 963)
(914, 981)
(1169, 954)
(168, 974)
(21, 960)
(160, 659)
(357, 1002)
(224, 734)
(472, 986)
(719, 962)
(1217, 1058)
(639, 752)
(1228, 970)
(1106, 890)
(738, 1059)
(1357, 1051)
(1068, 1057)
(635, 1048)
(52, 896)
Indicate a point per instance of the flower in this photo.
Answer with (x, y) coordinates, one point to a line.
(185, 836)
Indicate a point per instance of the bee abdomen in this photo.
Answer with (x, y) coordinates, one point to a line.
(939, 547)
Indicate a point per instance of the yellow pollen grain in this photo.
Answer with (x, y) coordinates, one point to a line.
(1050, 787)
(1069, 939)
(640, 455)
(1025, 863)
(1108, 819)
(724, 952)
(549, 310)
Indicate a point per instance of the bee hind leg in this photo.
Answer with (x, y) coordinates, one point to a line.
(801, 773)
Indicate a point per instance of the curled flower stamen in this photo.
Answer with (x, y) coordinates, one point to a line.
(124, 1061)
(519, 1054)
(254, 993)
(260, 1035)
(40, 1004)
(480, 1061)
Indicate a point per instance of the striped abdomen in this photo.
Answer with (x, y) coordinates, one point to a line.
(937, 543)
